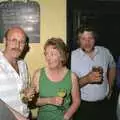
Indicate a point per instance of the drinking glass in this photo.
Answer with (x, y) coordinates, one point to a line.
(23, 90)
(98, 69)
(61, 93)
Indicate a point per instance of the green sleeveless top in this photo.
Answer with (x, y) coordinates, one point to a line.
(48, 88)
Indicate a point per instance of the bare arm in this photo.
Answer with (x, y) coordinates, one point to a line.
(91, 77)
(49, 100)
(35, 84)
(35, 80)
(84, 80)
(111, 78)
(75, 98)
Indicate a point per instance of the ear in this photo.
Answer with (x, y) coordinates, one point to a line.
(4, 40)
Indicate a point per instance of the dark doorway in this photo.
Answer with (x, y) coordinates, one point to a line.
(103, 16)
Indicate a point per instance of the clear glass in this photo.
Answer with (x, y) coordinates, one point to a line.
(61, 93)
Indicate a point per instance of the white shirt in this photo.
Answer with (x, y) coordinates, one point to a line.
(82, 64)
(11, 83)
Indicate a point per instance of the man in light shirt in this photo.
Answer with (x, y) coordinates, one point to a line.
(14, 74)
(95, 84)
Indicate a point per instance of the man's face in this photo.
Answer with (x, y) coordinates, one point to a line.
(15, 42)
(87, 41)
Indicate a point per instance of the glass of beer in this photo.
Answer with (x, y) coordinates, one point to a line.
(27, 89)
(98, 69)
(61, 93)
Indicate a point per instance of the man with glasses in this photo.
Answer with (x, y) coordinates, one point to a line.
(13, 73)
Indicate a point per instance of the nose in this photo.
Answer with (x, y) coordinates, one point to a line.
(17, 44)
(48, 57)
(88, 40)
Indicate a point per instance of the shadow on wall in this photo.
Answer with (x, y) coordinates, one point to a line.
(26, 49)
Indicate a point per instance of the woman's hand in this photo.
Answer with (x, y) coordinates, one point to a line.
(55, 101)
(66, 117)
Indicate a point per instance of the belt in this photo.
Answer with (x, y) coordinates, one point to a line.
(98, 101)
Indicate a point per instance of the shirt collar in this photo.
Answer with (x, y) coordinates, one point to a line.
(96, 50)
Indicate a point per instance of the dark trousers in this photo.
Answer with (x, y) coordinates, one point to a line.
(100, 110)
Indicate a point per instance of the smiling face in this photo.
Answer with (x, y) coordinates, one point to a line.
(15, 41)
(56, 50)
(52, 57)
(87, 41)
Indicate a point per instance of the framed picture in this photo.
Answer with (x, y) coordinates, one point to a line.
(23, 14)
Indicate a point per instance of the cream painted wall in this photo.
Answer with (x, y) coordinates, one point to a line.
(52, 24)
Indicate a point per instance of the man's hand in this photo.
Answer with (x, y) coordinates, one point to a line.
(94, 77)
(28, 93)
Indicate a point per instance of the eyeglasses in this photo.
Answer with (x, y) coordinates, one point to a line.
(15, 41)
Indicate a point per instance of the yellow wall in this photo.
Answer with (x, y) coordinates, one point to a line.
(52, 24)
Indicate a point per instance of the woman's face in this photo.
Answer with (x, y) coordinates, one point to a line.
(52, 57)
(87, 41)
